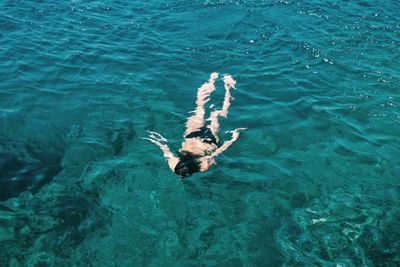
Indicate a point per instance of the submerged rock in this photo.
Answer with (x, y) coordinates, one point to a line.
(17, 176)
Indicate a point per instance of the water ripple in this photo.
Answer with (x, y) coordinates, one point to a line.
(314, 181)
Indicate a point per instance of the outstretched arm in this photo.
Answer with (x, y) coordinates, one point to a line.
(235, 136)
(157, 139)
(208, 161)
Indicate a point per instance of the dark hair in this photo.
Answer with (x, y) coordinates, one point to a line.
(187, 165)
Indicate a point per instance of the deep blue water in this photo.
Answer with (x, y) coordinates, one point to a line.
(315, 181)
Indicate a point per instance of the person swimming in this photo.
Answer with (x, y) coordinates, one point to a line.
(201, 143)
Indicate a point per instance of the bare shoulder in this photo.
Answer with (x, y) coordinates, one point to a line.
(206, 162)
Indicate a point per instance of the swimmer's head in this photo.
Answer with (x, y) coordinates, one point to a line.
(187, 166)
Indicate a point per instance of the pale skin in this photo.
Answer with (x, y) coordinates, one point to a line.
(205, 152)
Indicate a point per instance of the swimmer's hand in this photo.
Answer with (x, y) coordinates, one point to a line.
(237, 130)
(161, 142)
(235, 133)
(154, 136)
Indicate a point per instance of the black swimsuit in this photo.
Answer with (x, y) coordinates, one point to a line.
(205, 135)
(188, 162)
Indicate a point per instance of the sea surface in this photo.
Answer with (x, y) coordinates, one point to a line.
(314, 181)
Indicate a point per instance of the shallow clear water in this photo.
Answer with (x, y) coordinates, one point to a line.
(315, 181)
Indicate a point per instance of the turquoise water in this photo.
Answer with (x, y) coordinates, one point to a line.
(315, 181)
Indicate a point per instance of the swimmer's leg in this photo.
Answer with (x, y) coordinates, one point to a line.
(196, 121)
(158, 139)
(229, 83)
